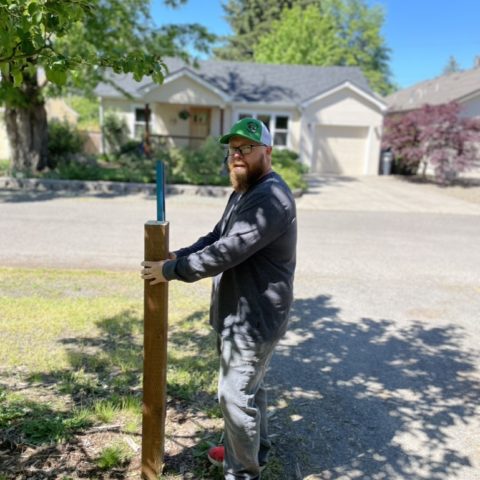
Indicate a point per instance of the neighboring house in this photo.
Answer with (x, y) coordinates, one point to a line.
(4, 146)
(56, 109)
(461, 87)
(328, 115)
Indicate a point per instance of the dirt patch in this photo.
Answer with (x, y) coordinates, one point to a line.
(188, 434)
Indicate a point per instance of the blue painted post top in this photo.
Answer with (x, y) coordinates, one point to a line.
(160, 167)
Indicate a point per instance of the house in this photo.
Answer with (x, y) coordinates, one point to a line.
(461, 87)
(56, 109)
(329, 115)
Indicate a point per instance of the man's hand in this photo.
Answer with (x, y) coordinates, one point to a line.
(153, 271)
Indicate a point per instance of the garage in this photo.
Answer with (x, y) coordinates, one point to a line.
(340, 150)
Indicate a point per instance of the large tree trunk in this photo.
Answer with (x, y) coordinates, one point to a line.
(27, 128)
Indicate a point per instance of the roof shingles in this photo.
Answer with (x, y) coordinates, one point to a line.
(445, 89)
(251, 82)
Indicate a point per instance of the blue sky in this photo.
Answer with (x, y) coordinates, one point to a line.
(422, 34)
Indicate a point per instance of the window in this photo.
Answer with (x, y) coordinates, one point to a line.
(140, 124)
(281, 131)
(276, 124)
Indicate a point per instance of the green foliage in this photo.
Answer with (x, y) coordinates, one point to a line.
(301, 36)
(105, 411)
(202, 166)
(37, 422)
(88, 112)
(26, 28)
(10, 410)
(364, 46)
(348, 33)
(4, 167)
(115, 131)
(249, 20)
(285, 163)
(75, 44)
(63, 139)
(41, 33)
(112, 456)
(71, 40)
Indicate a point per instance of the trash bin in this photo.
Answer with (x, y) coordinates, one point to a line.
(386, 164)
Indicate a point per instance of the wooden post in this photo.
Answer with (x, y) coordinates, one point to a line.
(155, 355)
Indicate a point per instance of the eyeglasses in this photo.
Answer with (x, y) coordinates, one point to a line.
(243, 150)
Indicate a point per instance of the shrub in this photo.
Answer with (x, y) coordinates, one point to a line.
(115, 131)
(174, 160)
(132, 146)
(202, 166)
(285, 163)
(63, 139)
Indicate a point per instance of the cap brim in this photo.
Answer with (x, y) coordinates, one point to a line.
(226, 138)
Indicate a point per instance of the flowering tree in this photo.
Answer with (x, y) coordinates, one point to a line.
(402, 135)
(435, 135)
(449, 142)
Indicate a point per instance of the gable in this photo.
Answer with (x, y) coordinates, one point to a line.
(344, 106)
(184, 89)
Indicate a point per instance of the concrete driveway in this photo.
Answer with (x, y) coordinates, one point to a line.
(379, 375)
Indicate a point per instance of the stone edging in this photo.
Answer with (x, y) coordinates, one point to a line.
(115, 188)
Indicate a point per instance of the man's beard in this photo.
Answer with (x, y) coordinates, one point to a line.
(243, 180)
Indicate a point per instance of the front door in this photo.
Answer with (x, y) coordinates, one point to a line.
(199, 126)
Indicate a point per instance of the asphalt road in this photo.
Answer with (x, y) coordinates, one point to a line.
(379, 375)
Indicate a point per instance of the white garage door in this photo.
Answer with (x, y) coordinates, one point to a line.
(340, 150)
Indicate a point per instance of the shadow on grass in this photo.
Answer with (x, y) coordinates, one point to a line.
(371, 399)
(365, 399)
(107, 367)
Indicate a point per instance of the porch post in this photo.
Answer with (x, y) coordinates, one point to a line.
(147, 145)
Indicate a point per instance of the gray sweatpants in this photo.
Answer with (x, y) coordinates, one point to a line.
(243, 401)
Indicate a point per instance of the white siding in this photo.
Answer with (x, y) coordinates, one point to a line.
(4, 145)
(471, 107)
(340, 133)
(185, 91)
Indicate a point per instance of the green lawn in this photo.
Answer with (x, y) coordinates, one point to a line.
(71, 375)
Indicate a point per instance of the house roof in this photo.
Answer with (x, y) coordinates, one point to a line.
(447, 88)
(246, 82)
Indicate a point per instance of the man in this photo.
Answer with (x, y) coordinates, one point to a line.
(251, 256)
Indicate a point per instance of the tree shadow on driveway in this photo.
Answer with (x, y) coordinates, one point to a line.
(370, 399)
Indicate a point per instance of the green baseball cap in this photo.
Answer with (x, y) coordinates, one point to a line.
(250, 128)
